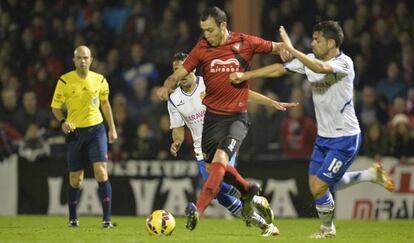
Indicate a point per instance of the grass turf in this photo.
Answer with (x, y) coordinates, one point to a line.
(131, 229)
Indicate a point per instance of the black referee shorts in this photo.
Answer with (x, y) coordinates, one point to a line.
(224, 132)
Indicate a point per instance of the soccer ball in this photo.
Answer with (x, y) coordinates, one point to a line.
(160, 222)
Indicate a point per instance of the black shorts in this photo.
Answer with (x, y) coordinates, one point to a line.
(86, 145)
(223, 131)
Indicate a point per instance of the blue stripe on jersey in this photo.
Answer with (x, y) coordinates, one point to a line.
(172, 103)
(347, 103)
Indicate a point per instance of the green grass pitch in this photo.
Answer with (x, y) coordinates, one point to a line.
(131, 229)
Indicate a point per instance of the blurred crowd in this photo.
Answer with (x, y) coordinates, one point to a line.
(132, 43)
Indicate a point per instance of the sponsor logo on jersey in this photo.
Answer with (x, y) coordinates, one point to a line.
(196, 116)
(219, 66)
(181, 103)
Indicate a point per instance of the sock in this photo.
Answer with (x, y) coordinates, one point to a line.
(211, 187)
(225, 188)
(325, 207)
(105, 193)
(233, 177)
(354, 177)
(258, 221)
(230, 190)
(232, 204)
(257, 200)
(73, 200)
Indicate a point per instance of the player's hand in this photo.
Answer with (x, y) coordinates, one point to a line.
(163, 93)
(281, 106)
(238, 77)
(112, 135)
(285, 38)
(67, 127)
(285, 55)
(175, 146)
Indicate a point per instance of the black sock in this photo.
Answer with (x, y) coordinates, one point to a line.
(105, 193)
(73, 200)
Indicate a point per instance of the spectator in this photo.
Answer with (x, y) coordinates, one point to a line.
(139, 68)
(263, 137)
(9, 139)
(8, 106)
(138, 97)
(402, 138)
(138, 24)
(164, 138)
(375, 142)
(410, 101)
(392, 86)
(369, 109)
(144, 145)
(297, 134)
(113, 71)
(33, 147)
(385, 46)
(55, 139)
(30, 113)
(98, 34)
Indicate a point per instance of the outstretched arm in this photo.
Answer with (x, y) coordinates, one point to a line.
(264, 100)
(313, 64)
(171, 83)
(273, 70)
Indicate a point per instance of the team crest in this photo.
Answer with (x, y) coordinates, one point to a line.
(236, 46)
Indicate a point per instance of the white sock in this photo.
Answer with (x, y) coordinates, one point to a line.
(325, 207)
(258, 221)
(257, 199)
(355, 177)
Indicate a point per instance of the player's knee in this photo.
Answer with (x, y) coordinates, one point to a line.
(100, 173)
(318, 190)
(316, 193)
(75, 180)
(220, 156)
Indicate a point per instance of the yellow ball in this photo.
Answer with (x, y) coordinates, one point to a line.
(160, 222)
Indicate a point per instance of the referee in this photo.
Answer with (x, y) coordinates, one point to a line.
(83, 92)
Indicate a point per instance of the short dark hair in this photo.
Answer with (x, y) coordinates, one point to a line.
(216, 13)
(330, 30)
(180, 56)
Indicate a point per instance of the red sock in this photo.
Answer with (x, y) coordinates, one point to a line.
(211, 187)
(233, 177)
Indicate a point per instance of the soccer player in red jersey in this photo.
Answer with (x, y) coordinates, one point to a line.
(220, 53)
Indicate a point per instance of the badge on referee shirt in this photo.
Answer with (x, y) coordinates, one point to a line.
(94, 101)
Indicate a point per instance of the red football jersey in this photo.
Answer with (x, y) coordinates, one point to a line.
(217, 63)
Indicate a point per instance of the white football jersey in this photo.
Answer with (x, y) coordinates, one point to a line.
(187, 109)
(332, 96)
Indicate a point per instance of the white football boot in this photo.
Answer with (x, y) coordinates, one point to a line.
(324, 232)
(263, 208)
(270, 230)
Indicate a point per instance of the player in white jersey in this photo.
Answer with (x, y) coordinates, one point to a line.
(185, 108)
(331, 74)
